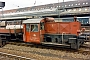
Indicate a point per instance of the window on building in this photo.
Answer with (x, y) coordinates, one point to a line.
(78, 3)
(69, 10)
(83, 3)
(86, 2)
(86, 9)
(80, 9)
(65, 5)
(74, 9)
(72, 5)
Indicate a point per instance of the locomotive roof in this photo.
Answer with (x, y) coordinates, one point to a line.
(32, 20)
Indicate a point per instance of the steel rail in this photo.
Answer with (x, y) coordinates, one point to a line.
(15, 56)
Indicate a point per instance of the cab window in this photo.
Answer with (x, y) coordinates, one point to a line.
(28, 27)
(34, 28)
(42, 26)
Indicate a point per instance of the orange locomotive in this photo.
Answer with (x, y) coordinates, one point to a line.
(47, 31)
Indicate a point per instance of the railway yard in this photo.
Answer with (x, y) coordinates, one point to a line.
(69, 49)
(29, 52)
(58, 31)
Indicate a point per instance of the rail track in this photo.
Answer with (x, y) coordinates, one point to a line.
(43, 52)
(13, 57)
(85, 49)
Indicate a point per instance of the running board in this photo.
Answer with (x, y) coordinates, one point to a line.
(49, 43)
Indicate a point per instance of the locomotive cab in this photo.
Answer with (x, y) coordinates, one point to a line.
(33, 29)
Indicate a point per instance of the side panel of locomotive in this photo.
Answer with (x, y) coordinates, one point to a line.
(65, 33)
(62, 27)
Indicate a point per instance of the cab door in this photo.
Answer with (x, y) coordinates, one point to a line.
(42, 31)
(35, 33)
(26, 33)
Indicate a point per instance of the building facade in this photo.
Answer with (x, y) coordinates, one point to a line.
(79, 8)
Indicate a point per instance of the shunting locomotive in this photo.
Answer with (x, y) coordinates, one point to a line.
(47, 31)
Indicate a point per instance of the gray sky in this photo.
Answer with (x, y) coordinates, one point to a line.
(13, 4)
